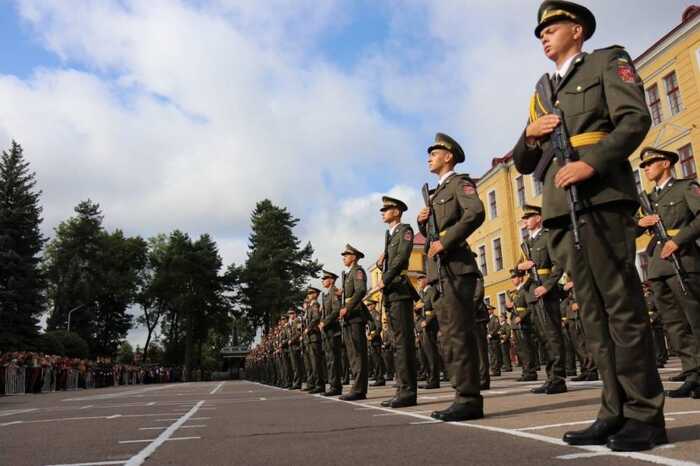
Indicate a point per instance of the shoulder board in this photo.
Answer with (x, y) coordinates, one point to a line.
(688, 180)
(611, 47)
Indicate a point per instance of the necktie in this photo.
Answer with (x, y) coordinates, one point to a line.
(556, 79)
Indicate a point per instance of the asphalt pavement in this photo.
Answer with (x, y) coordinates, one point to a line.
(245, 423)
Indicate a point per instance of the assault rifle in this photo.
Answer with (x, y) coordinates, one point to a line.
(562, 149)
(662, 235)
(432, 233)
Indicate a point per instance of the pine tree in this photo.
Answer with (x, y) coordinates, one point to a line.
(277, 267)
(22, 283)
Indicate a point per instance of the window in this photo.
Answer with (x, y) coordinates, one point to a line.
(638, 181)
(673, 93)
(520, 187)
(482, 261)
(687, 162)
(502, 303)
(492, 204)
(536, 186)
(654, 102)
(497, 254)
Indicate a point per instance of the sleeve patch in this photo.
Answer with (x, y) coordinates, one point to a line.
(469, 189)
(626, 72)
(408, 236)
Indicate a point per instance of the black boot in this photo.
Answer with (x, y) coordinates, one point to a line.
(684, 391)
(458, 412)
(637, 436)
(596, 434)
(353, 397)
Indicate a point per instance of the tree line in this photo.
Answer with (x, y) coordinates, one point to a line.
(94, 281)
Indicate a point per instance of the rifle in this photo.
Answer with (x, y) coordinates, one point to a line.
(562, 151)
(432, 232)
(536, 276)
(662, 235)
(342, 304)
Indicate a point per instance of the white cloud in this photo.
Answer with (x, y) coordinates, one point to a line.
(184, 115)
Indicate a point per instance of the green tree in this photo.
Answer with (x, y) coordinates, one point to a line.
(96, 272)
(125, 353)
(22, 284)
(277, 268)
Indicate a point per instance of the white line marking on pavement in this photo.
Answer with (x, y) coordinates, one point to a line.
(194, 426)
(590, 421)
(86, 406)
(576, 456)
(152, 428)
(120, 394)
(97, 463)
(418, 423)
(199, 418)
(163, 420)
(13, 412)
(139, 458)
(152, 403)
(113, 416)
(542, 438)
(385, 414)
(262, 398)
(216, 389)
(428, 397)
(10, 423)
(172, 439)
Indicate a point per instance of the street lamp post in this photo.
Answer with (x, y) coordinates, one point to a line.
(71, 312)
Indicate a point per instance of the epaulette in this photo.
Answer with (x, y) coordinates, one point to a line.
(609, 48)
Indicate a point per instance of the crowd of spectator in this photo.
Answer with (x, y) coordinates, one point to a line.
(30, 372)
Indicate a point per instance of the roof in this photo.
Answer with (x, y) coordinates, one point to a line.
(689, 14)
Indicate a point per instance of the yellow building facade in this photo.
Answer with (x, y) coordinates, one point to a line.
(670, 70)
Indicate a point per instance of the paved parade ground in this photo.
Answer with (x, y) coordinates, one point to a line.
(244, 423)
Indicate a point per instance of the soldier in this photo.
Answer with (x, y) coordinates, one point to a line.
(330, 328)
(457, 212)
(677, 203)
(387, 346)
(313, 332)
(355, 315)
(429, 339)
(602, 103)
(544, 300)
(574, 327)
(493, 335)
(481, 320)
(374, 329)
(566, 326)
(399, 296)
(292, 332)
(505, 332)
(524, 344)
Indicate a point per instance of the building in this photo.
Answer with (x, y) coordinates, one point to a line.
(670, 70)
(416, 265)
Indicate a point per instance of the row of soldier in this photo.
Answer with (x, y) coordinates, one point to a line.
(585, 120)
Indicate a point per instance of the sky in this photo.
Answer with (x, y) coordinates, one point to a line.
(175, 114)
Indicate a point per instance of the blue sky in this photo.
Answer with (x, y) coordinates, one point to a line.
(177, 114)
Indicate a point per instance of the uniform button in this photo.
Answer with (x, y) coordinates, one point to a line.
(556, 104)
(578, 88)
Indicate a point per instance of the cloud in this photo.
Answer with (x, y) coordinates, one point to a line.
(175, 114)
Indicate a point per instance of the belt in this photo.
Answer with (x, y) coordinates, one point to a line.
(587, 139)
(673, 232)
(428, 313)
(544, 272)
(520, 309)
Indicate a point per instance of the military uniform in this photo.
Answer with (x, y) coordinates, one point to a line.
(604, 110)
(522, 329)
(545, 312)
(374, 337)
(429, 336)
(505, 331)
(677, 203)
(330, 311)
(458, 212)
(355, 288)
(398, 299)
(313, 313)
(657, 330)
(493, 333)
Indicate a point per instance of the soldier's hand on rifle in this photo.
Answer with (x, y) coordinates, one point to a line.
(527, 265)
(574, 307)
(436, 248)
(518, 320)
(540, 291)
(568, 286)
(648, 221)
(343, 312)
(541, 127)
(423, 324)
(423, 215)
(669, 248)
(573, 173)
(380, 261)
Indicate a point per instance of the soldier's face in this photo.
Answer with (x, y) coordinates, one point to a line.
(438, 160)
(515, 281)
(391, 215)
(654, 170)
(348, 259)
(533, 222)
(327, 282)
(559, 38)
